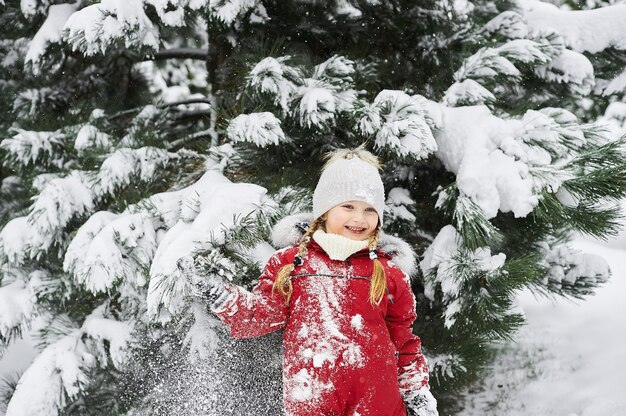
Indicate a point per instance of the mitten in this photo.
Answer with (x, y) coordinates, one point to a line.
(421, 403)
(209, 288)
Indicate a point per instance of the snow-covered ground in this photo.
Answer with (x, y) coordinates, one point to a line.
(570, 360)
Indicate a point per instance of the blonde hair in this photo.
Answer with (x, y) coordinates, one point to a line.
(358, 152)
(378, 282)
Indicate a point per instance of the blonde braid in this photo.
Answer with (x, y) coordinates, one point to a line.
(282, 284)
(378, 284)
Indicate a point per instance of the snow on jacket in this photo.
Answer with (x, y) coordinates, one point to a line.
(342, 355)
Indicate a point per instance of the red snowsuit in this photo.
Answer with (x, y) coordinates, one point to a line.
(342, 356)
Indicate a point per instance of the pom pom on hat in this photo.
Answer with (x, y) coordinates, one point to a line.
(349, 175)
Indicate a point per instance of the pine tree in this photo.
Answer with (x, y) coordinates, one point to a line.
(137, 132)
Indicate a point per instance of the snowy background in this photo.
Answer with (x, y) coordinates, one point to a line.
(525, 64)
(569, 359)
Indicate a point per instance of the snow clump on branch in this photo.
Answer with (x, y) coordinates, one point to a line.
(506, 164)
(400, 124)
(50, 32)
(60, 371)
(273, 76)
(109, 248)
(447, 265)
(220, 203)
(95, 28)
(261, 129)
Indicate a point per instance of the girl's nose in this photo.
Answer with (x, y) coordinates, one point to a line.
(359, 215)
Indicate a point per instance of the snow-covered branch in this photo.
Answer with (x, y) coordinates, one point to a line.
(217, 202)
(400, 124)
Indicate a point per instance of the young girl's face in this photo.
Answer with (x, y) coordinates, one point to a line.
(353, 219)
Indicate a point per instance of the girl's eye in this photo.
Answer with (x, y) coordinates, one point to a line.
(370, 210)
(348, 206)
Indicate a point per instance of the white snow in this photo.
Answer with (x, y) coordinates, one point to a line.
(16, 307)
(220, 201)
(202, 339)
(51, 31)
(89, 137)
(96, 27)
(118, 335)
(304, 387)
(569, 359)
(616, 85)
(13, 240)
(343, 7)
(229, 10)
(615, 118)
(523, 50)
(443, 267)
(486, 63)
(262, 129)
(403, 254)
(59, 202)
(58, 369)
(467, 92)
(121, 166)
(567, 265)
(583, 30)
(32, 7)
(571, 68)
(397, 200)
(273, 76)
(109, 248)
(170, 13)
(400, 124)
(504, 164)
(317, 104)
(509, 24)
(28, 146)
(357, 322)
(336, 69)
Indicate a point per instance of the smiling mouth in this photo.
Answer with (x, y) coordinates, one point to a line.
(357, 230)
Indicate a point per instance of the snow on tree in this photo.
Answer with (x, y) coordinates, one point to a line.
(137, 132)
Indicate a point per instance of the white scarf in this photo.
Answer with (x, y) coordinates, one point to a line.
(337, 246)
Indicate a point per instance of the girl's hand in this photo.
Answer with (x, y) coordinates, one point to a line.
(421, 403)
(209, 288)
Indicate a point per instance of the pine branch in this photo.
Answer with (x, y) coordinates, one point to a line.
(524, 270)
(586, 217)
(598, 157)
(599, 184)
(8, 384)
(469, 220)
(187, 101)
(181, 53)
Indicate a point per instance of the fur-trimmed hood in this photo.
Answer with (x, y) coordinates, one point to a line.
(288, 232)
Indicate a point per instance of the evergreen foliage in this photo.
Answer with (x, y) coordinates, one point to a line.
(136, 132)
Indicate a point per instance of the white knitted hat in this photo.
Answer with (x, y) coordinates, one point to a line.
(349, 178)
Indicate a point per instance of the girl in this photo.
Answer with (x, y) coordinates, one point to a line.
(346, 309)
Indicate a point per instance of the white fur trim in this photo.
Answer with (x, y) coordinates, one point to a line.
(288, 231)
(401, 251)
